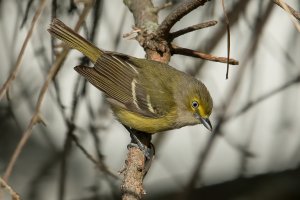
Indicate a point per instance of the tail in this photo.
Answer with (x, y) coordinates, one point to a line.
(61, 31)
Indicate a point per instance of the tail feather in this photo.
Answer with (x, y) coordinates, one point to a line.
(61, 31)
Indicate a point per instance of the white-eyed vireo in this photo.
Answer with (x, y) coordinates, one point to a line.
(145, 95)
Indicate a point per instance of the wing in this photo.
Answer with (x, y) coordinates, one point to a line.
(128, 84)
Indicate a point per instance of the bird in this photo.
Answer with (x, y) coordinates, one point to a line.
(144, 95)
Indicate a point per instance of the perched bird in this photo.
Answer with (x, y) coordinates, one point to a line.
(144, 95)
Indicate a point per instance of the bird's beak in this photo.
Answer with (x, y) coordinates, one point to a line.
(204, 121)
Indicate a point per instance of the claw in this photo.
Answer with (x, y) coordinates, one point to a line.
(148, 152)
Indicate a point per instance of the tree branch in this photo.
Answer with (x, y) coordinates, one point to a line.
(186, 30)
(132, 186)
(182, 9)
(192, 53)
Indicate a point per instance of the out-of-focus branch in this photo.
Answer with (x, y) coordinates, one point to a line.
(100, 165)
(36, 118)
(17, 66)
(28, 6)
(192, 53)
(254, 187)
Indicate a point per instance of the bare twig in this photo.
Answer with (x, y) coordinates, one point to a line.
(191, 28)
(36, 118)
(5, 186)
(17, 66)
(295, 13)
(182, 9)
(188, 52)
(234, 15)
(64, 164)
(228, 37)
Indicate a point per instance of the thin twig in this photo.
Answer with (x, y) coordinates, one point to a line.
(292, 13)
(36, 118)
(228, 37)
(5, 186)
(182, 9)
(291, 10)
(191, 28)
(17, 66)
(192, 53)
(237, 9)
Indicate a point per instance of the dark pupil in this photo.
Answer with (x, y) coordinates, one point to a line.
(195, 104)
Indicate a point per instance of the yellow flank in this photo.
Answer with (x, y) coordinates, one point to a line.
(145, 124)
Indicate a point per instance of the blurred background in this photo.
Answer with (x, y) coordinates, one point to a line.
(252, 154)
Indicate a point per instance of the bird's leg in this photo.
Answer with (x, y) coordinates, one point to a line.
(142, 141)
(135, 142)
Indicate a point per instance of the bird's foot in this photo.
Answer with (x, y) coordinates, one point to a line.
(149, 152)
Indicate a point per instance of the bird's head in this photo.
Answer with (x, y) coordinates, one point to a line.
(201, 110)
(196, 104)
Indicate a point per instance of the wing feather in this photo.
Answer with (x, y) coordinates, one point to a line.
(117, 78)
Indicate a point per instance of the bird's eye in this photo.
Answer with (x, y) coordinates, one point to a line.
(195, 104)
